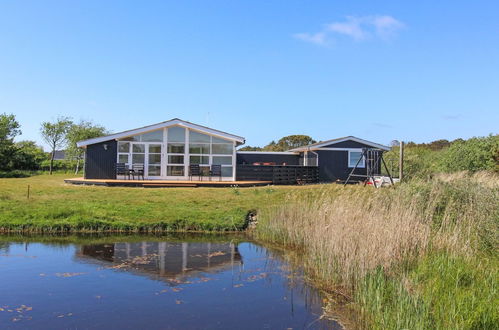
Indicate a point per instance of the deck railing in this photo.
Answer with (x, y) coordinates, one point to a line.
(278, 174)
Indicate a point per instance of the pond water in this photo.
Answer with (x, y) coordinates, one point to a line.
(152, 283)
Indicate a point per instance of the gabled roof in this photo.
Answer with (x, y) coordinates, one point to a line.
(172, 122)
(323, 144)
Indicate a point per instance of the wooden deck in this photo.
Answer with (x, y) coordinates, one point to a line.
(164, 183)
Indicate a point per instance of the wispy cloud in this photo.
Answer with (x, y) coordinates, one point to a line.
(358, 28)
(316, 38)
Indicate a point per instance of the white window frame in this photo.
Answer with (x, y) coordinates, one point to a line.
(186, 155)
(362, 163)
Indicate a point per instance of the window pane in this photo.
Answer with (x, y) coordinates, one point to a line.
(155, 136)
(155, 148)
(175, 171)
(354, 158)
(123, 158)
(224, 149)
(154, 170)
(199, 159)
(175, 148)
(198, 137)
(176, 134)
(227, 171)
(138, 148)
(154, 159)
(219, 140)
(123, 147)
(222, 160)
(138, 158)
(199, 149)
(175, 159)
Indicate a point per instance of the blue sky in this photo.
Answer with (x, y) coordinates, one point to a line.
(379, 70)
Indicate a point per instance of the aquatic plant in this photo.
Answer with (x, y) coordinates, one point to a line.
(407, 256)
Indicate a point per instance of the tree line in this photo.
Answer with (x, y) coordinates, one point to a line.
(283, 144)
(62, 133)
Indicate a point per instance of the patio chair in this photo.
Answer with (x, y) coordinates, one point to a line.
(194, 170)
(138, 170)
(216, 170)
(121, 169)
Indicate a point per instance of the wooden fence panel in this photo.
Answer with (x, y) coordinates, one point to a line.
(278, 174)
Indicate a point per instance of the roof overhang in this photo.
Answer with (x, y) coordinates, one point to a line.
(174, 122)
(321, 145)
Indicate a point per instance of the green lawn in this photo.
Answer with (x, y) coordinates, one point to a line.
(55, 206)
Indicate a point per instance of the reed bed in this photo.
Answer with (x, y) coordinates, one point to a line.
(384, 248)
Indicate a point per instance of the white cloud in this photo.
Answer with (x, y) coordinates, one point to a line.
(386, 26)
(316, 38)
(352, 28)
(358, 28)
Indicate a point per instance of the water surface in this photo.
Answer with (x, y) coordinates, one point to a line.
(154, 283)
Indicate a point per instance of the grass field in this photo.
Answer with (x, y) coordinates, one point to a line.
(54, 206)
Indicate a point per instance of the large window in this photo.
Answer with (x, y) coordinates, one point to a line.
(154, 136)
(353, 159)
(176, 151)
(154, 160)
(207, 150)
(169, 151)
(124, 153)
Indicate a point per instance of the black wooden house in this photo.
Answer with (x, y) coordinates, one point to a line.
(167, 149)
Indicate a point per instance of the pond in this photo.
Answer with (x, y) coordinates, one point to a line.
(170, 282)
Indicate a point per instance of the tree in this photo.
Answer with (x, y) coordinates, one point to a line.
(289, 142)
(55, 135)
(28, 156)
(9, 129)
(250, 148)
(81, 131)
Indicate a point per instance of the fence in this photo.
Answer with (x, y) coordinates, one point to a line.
(278, 174)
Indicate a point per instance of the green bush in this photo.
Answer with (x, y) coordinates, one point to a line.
(59, 165)
(475, 154)
(423, 160)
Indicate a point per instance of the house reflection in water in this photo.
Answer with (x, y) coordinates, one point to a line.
(163, 260)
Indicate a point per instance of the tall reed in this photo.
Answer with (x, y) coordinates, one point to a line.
(352, 236)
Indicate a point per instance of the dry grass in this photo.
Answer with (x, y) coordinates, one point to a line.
(348, 233)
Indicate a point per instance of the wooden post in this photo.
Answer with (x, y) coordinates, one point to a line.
(28, 192)
(401, 161)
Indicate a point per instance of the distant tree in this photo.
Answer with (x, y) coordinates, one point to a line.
(81, 131)
(9, 129)
(439, 144)
(289, 142)
(55, 135)
(250, 148)
(28, 156)
(272, 146)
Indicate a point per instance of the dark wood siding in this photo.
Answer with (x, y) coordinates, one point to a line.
(99, 162)
(279, 159)
(333, 165)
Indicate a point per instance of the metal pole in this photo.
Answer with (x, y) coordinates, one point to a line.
(401, 161)
(28, 191)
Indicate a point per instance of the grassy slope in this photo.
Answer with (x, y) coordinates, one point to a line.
(56, 206)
